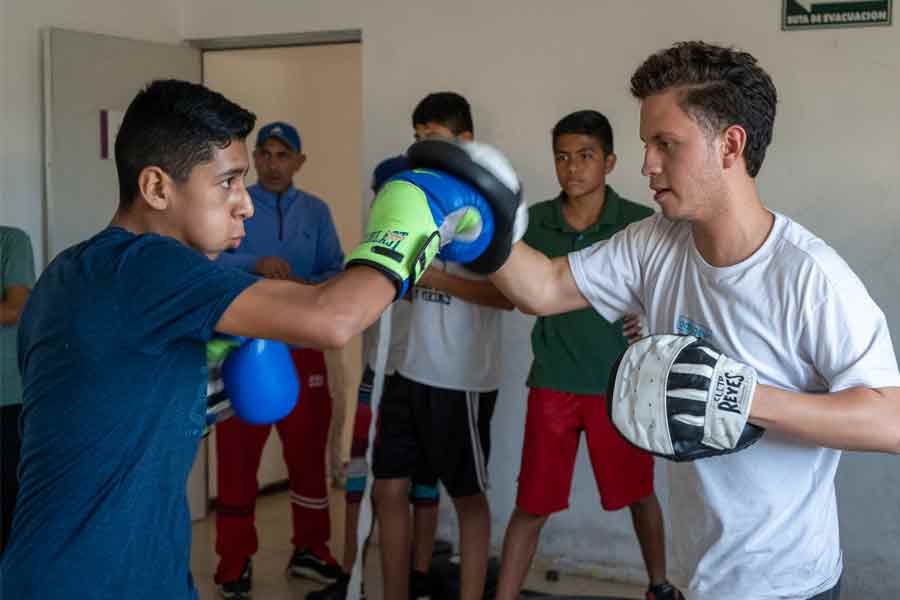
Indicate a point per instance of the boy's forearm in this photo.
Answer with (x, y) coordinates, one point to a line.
(322, 316)
(479, 292)
(354, 300)
(858, 418)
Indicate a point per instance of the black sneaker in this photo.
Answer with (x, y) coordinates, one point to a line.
(663, 591)
(336, 591)
(304, 563)
(419, 586)
(239, 589)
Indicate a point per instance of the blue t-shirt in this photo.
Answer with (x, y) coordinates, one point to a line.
(113, 360)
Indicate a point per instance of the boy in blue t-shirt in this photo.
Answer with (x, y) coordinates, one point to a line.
(112, 350)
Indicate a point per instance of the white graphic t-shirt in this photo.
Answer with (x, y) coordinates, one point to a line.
(452, 343)
(761, 523)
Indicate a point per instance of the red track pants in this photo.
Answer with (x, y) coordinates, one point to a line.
(304, 438)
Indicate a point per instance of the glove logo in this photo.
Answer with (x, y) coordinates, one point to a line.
(728, 392)
(389, 238)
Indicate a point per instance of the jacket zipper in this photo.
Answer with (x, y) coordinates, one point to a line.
(280, 217)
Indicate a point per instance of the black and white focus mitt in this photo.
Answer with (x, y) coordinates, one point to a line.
(678, 397)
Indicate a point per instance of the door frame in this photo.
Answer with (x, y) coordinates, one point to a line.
(277, 40)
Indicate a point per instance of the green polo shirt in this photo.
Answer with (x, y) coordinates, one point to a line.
(16, 268)
(574, 351)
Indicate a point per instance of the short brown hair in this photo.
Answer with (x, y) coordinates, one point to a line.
(722, 87)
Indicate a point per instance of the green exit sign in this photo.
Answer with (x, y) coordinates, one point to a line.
(810, 14)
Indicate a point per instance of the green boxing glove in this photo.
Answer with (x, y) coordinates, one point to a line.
(218, 404)
(218, 349)
(401, 238)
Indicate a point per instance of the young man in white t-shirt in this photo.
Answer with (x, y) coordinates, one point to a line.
(424, 497)
(434, 419)
(717, 264)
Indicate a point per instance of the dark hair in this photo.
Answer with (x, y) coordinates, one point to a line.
(174, 125)
(722, 87)
(446, 108)
(586, 122)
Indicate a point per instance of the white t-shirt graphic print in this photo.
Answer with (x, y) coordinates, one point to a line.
(762, 523)
(453, 344)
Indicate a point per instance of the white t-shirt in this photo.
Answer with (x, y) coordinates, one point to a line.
(400, 315)
(453, 344)
(762, 523)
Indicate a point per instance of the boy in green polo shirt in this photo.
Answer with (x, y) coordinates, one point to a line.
(573, 353)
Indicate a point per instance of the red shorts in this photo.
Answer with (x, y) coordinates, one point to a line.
(553, 426)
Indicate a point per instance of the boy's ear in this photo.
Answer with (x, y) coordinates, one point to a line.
(466, 136)
(154, 187)
(610, 162)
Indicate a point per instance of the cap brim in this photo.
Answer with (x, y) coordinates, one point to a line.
(281, 139)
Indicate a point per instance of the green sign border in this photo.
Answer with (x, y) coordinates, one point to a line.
(786, 27)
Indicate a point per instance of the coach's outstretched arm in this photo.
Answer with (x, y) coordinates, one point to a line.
(857, 418)
(538, 285)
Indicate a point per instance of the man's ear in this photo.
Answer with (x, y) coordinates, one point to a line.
(466, 136)
(155, 187)
(734, 140)
(610, 162)
(299, 161)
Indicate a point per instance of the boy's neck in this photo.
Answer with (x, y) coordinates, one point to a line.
(139, 223)
(583, 211)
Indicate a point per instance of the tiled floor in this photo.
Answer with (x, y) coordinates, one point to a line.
(271, 583)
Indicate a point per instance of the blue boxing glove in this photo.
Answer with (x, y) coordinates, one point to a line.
(464, 220)
(471, 231)
(487, 171)
(261, 381)
(414, 216)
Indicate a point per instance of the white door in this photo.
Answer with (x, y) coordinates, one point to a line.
(89, 80)
(319, 90)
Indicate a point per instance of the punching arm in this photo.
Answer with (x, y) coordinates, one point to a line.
(321, 316)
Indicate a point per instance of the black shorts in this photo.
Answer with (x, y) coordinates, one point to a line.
(434, 434)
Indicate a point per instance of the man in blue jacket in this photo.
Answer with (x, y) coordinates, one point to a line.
(291, 236)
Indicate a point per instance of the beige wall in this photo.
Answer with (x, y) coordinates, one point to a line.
(21, 133)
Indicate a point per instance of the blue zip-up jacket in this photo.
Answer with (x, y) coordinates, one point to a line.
(295, 226)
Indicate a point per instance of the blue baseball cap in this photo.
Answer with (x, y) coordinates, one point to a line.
(280, 131)
(387, 169)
